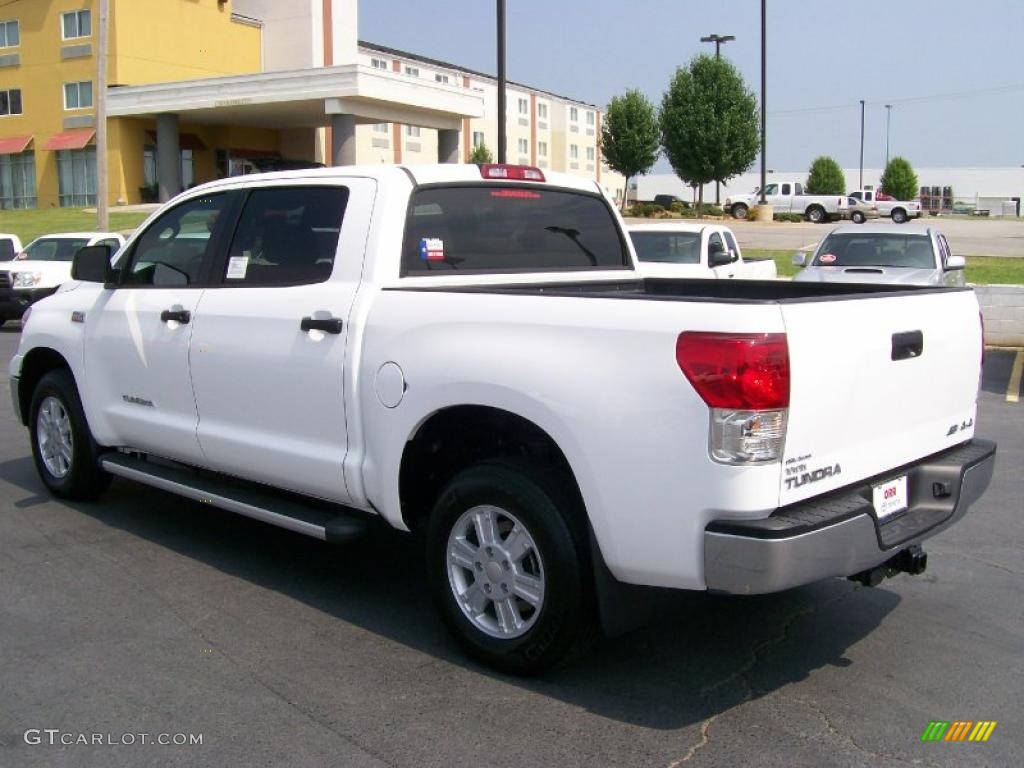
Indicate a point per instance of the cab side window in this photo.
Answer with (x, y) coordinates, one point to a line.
(286, 236)
(172, 250)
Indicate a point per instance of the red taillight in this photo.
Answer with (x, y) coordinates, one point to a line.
(511, 172)
(741, 371)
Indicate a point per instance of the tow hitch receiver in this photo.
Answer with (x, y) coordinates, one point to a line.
(912, 560)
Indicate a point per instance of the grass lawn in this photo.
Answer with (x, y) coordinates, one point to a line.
(983, 270)
(28, 225)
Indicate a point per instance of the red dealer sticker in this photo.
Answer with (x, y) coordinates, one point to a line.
(827, 258)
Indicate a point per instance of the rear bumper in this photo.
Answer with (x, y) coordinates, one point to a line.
(839, 534)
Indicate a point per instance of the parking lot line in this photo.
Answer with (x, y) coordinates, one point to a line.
(1013, 385)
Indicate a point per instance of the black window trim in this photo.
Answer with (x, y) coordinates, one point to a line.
(218, 270)
(485, 184)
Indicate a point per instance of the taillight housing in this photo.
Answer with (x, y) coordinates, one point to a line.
(511, 172)
(744, 379)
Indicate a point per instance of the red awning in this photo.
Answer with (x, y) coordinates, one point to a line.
(185, 140)
(14, 144)
(76, 139)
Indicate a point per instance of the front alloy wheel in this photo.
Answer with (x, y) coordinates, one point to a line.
(53, 433)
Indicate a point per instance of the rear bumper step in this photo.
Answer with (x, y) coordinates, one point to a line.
(839, 534)
(311, 518)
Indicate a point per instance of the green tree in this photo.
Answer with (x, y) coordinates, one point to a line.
(709, 123)
(481, 154)
(629, 136)
(899, 180)
(825, 177)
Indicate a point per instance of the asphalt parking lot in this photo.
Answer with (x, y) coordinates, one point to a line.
(149, 614)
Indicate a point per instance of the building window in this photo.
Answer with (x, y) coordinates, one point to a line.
(412, 131)
(378, 63)
(478, 138)
(381, 128)
(76, 174)
(18, 180)
(590, 154)
(412, 71)
(10, 35)
(76, 24)
(439, 78)
(524, 107)
(542, 148)
(542, 110)
(574, 114)
(574, 152)
(524, 146)
(78, 95)
(10, 102)
(590, 118)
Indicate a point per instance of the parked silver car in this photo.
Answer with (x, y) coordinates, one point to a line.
(911, 254)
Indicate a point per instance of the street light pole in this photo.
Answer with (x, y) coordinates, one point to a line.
(501, 81)
(764, 96)
(888, 115)
(718, 40)
(861, 144)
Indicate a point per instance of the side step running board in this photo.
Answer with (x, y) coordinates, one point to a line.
(332, 523)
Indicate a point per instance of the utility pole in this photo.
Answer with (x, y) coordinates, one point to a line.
(888, 115)
(501, 82)
(861, 144)
(718, 40)
(102, 178)
(764, 96)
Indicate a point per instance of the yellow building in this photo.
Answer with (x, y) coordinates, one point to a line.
(200, 89)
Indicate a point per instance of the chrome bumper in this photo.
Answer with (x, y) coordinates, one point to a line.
(839, 534)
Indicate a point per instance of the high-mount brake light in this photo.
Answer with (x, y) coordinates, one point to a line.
(511, 172)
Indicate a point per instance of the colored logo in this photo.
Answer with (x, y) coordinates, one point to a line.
(958, 730)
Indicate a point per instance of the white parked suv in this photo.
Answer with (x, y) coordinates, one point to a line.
(39, 269)
(469, 351)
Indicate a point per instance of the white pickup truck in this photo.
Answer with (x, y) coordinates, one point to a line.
(468, 351)
(900, 211)
(789, 197)
(686, 250)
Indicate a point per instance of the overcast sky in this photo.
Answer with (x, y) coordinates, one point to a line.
(952, 69)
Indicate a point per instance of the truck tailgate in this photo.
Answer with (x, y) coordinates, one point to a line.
(877, 383)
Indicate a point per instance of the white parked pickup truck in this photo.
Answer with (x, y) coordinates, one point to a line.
(899, 211)
(42, 266)
(789, 197)
(694, 250)
(468, 351)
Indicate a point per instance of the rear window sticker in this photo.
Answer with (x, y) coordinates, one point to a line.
(432, 249)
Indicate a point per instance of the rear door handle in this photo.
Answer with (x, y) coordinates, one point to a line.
(327, 324)
(907, 345)
(179, 315)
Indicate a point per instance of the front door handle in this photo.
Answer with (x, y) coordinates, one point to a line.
(326, 324)
(179, 315)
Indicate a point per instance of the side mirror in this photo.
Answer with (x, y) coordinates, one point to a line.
(719, 258)
(956, 262)
(799, 259)
(92, 264)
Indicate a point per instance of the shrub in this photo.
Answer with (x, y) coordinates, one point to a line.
(679, 207)
(899, 180)
(825, 177)
(481, 154)
(788, 216)
(644, 210)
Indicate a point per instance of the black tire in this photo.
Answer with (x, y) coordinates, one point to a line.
(858, 218)
(83, 480)
(545, 505)
(899, 216)
(739, 211)
(816, 214)
(2, 321)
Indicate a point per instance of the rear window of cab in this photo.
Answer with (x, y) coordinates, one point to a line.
(509, 228)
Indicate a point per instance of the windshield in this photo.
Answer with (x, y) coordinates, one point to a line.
(667, 247)
(54, 248)
(876, 250)
(492, 228)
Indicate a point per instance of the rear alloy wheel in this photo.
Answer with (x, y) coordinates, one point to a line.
(508, 563)
(739, 211)
(816, 214)
(858, 218)
(64, 452)
(899, 216)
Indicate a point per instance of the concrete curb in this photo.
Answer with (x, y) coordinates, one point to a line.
(1002, 306)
